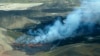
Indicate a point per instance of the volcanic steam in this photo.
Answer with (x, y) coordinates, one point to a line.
(87, 14)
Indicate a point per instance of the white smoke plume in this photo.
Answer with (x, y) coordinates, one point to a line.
(86, 14)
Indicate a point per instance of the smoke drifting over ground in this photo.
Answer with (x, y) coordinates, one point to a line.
(85, 15)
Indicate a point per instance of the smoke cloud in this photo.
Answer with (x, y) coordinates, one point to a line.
(87, 14)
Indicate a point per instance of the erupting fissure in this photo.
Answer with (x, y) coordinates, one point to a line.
(85, 15)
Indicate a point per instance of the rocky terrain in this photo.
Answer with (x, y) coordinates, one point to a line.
(21, 15)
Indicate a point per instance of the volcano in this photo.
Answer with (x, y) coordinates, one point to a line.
(80, 25)
(84, 37)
